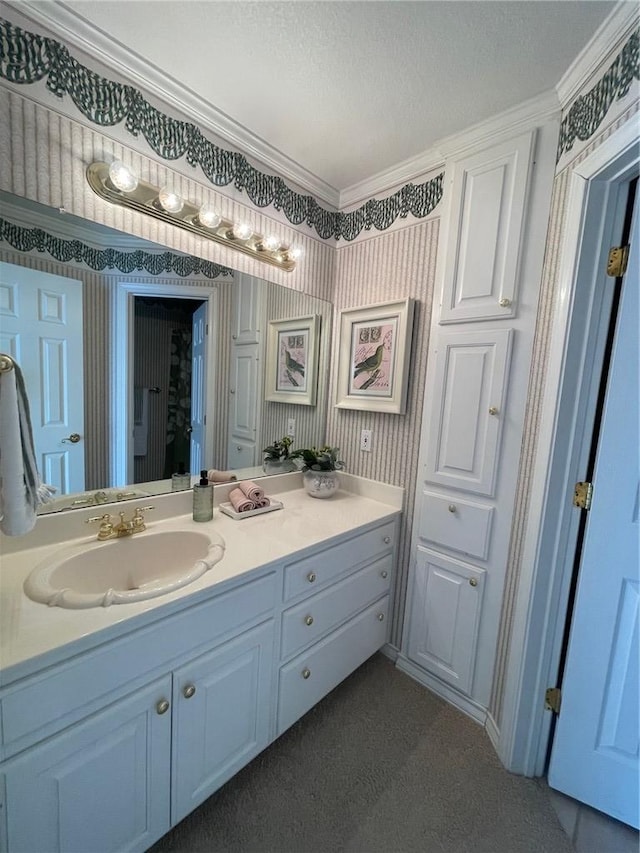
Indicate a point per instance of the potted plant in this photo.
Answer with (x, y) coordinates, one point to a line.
(277, 459)
(320, 466)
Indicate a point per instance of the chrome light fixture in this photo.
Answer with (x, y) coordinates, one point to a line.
(117, 184)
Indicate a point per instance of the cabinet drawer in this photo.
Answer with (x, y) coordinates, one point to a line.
(315, 572)
(311, 675)
(314, 617)
(460, 525)
(41, 705)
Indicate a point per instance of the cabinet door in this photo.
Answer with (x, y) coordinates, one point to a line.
(101, 785)
(445, 617)
(488, 192)
(247, 306)
(469, 394)
(221, 716)
(243, 406)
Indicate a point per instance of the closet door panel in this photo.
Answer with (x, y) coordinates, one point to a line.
(485, 226)
(471, 372)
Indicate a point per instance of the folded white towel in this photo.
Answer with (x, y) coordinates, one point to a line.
(19, 480)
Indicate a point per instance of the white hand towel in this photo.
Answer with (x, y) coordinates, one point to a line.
(19, 480)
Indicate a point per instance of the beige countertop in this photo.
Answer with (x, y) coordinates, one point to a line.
(33, 635)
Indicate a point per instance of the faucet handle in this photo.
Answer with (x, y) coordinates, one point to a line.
(106, 525)
(138, 517)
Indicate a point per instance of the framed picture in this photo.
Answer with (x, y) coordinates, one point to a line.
(292, 360)
(374, 357)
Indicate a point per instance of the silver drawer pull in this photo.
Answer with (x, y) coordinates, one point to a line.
(387, 540)
(473, 582)
(504, 302)
(384, 574)
(493, 410)
(452, 507)
(380, 617)
(306, 673)
(311, 577)
(163, 706)
(308, 620)
(188, 691)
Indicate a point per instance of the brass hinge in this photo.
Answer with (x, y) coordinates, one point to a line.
(617, 263)
(552, 699)
(582, 495)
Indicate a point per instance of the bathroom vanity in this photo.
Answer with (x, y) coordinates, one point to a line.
(118, 721)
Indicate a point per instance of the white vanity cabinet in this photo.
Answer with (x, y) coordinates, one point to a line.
(125, 773)
(337, 617)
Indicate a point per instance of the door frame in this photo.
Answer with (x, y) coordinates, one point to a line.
(550, 535)
(121, 460)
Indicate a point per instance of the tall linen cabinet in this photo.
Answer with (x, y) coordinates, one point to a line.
(489, 270)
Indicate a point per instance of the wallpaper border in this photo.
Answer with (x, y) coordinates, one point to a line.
(588, 111)
(27, 57)
(29, 239)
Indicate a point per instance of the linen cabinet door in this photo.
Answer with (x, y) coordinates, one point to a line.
(469, 395)
(483, 244)
(221, 716)
(100, 786)
(445, 618)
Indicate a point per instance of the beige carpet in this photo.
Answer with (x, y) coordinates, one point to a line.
(379, 766)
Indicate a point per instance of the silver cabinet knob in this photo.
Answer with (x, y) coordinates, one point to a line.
(232, 390)
(308, 620)
(387, 540)
(306, 673)
(234, 337)
(473, 582)
(163, 706)
(384, 574)
(493, 410)
(188, 691)
(311, 577)
(452, 507)
(504, 302)
(380, 617)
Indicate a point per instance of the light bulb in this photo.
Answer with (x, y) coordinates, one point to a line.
(295, 253)
(209, 216)
(171, 201)
(242, 231)
(122, 177)
(271, 243)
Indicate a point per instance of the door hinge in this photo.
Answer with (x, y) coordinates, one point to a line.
(552, 699)
(617, 262)
(582, 495)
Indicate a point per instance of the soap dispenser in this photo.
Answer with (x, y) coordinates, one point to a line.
(203, 499)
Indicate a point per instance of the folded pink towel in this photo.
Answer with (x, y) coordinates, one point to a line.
(251, 491)
(239, 501)
(215, 476)
(263, 502)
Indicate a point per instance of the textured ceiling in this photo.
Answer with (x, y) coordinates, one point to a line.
(350, 89)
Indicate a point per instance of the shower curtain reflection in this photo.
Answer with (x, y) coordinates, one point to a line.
(178, 451)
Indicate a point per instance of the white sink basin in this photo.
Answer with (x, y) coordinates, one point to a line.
(119, 571)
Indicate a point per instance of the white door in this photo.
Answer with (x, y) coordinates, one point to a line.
(595, 749)
(198, 387)
(243, 402)
(41, 328)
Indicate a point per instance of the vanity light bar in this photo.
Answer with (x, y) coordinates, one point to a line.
(145, 198)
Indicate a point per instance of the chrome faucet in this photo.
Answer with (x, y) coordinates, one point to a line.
(109, 530)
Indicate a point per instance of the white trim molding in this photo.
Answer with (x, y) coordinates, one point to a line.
(549, 542)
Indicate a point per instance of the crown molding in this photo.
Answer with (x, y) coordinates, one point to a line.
(65, 24)
(491, 131)
(609, 34)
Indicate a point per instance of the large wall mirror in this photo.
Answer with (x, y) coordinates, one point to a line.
(140, 362)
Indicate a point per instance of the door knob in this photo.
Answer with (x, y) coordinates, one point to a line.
(74, 438)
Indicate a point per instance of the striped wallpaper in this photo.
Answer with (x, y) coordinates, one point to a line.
(388, 267)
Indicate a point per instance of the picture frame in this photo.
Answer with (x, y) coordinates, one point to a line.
(374, 357)
(292, 360)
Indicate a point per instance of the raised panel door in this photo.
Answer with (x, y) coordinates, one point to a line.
(221, 716)
(445, 618)
(482, 256)
(246, 309)
(100, 786)
(469, 396)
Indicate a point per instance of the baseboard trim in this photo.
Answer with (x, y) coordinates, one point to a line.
(493, 731)
(449, 694)
(390, 652)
